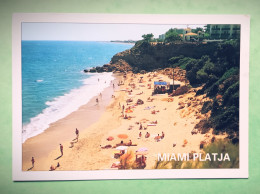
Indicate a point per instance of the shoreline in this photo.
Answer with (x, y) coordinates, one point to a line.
(41, 145)
(175, 118)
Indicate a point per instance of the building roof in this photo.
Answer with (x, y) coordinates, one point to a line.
(191, 34)
(160, 83)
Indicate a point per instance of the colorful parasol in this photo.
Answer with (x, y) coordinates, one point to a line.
(122, 136)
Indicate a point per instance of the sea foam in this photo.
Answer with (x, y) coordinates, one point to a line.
(62, 106)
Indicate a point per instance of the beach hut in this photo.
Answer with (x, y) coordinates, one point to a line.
(160, 87)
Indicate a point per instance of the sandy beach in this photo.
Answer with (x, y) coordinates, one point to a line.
(174, 116)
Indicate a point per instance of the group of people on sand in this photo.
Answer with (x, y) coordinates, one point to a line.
(147, 135)
(61, 152)
(159, 138)
(52, 168)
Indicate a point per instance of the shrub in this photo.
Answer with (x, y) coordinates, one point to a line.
(222, 146)
(203, 126)
(207, 106)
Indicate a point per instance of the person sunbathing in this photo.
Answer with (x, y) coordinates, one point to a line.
(106, 146)
(114, 165)
(154, 122)
(147, 135)
(150, 99)
(121, 144)
(52, 168)
(157, 138)
(129, 143)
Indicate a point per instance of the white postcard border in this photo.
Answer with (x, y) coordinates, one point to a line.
(19, 175)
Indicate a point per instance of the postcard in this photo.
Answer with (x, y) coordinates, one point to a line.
(114, 96)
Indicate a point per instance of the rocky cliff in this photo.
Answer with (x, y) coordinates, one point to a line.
(149, 56)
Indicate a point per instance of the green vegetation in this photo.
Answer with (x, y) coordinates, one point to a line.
(219, 147)
(219, 76)
(172, 36)
(147, 37)
(213, 66)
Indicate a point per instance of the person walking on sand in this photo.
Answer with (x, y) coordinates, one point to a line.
(97, 100)
(77, 134)
(33, 162)
(141, 126)
(162, 135)
(61, 149)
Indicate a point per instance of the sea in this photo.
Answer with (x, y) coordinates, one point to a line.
(54, 83)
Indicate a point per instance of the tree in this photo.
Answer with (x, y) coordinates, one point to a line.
(147, 37)
(172, 36)
(197, 29)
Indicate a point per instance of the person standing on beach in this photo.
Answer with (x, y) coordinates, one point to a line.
(77, 134)
(140, 134)
(61, 149)
(33, 162)
(141, 126)
(97, 100)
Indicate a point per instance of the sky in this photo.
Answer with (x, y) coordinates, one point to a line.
(93, 32)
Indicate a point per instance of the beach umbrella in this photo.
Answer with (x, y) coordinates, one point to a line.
(143, 149)
(129, 111)
(122, 136)
(121, 148)
(110, 138)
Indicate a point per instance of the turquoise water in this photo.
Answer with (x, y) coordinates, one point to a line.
(53, 81)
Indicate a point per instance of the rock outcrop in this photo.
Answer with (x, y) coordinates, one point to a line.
(149, 57)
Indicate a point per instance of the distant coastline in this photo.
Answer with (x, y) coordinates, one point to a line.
(124, 41)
